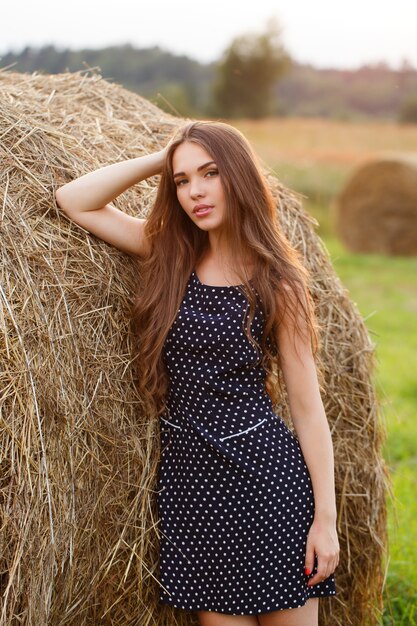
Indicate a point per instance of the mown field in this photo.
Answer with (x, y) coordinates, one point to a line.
(315, 158)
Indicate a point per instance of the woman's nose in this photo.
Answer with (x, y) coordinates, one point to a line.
(196, 189)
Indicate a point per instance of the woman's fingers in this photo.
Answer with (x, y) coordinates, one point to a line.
(323, 545)
(309, 560)
(325, 567)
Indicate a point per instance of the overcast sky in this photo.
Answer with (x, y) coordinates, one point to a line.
(325, 33)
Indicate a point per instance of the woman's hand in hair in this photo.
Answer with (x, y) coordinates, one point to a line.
(171, 140)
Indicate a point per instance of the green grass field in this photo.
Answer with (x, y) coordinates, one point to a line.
(315, 158)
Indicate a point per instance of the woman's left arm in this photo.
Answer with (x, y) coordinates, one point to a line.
(313, 433)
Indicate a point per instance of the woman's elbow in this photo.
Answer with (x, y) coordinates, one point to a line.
(60, 198)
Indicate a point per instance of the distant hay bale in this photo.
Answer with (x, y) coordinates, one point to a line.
(377, 209)
(79, 457)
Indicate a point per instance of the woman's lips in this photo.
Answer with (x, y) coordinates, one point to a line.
(203, 211)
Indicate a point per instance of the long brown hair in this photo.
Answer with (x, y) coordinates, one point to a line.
(252, 231)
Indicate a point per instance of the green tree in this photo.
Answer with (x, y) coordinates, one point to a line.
(247, 72)
(174, 98)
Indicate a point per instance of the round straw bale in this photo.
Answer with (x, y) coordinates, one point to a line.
(377, 209)
(79, 455)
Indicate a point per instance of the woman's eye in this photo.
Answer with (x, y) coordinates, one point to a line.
(213, 172)
(179, 182)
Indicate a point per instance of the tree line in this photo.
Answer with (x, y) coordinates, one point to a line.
(255, 77)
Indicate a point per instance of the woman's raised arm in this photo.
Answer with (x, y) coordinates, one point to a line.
(86, 201)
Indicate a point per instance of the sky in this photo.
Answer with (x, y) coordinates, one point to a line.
(325, 33)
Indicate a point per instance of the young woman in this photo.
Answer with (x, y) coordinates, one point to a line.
(223, 315)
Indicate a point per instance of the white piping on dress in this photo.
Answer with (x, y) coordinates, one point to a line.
(170, 423)
(243, 431)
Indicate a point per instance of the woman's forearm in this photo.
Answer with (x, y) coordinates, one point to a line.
(96, 189)
(316, 443)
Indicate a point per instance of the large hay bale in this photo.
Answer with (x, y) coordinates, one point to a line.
(79, 458)
(376, 210)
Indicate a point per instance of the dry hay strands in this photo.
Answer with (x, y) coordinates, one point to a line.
(79, 455)
(377, 209)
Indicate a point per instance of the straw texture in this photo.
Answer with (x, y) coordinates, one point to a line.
(376, 210)
(79, 457)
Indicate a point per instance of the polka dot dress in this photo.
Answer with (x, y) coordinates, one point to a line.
(234, 492)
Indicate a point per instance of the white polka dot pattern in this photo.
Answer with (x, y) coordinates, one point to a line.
(234, 492)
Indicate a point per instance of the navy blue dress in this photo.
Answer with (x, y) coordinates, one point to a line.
(235, 496)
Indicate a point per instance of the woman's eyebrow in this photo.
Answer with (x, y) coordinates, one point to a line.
(198, 168)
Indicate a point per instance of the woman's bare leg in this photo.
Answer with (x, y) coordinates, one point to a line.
(307, 615)
(211, 618)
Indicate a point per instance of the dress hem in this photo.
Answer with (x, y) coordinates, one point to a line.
(247, 612)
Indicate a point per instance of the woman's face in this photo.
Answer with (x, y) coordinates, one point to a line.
(199, 187)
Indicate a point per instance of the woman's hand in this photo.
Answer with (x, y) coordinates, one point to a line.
(164, 150)
(322, 540)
